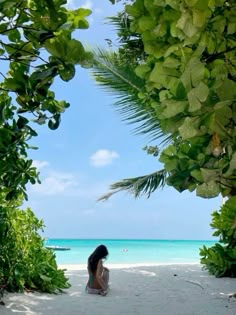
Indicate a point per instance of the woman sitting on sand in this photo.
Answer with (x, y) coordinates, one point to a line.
(98, 274)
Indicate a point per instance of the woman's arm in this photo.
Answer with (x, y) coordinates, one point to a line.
(99, 277)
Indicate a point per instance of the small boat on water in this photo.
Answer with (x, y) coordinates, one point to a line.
(57, 247)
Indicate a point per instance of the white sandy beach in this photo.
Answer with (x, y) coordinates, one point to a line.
(182, 289)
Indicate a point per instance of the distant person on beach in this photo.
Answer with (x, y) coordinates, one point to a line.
(98, 274)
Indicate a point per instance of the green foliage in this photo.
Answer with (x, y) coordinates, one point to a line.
(36, 44)
(24, 261)
(188, 95)
(220, 260)
(190, 68)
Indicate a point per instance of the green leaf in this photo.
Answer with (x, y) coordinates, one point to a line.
(186, 25)
(227, 90)
(14, 85)
(54, 122)
(77, 18)
(162, 75)
(146, 23)
(209, 175)
(197, 95)
(171, 62)
(21, 122)
(173, 108)
(194, 103)
(75, 51)
(67, 72)
(197, 175)
(189, 128)
(232, 165)
(42, 74)
(193, 74)
(14, 35)
(208, 190)
(199, 18)
(191, 3)
(45, 278)
(142, 70)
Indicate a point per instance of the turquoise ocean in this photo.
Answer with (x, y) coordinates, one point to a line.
(130, 251)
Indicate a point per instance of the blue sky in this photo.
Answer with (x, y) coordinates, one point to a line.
(94, 148)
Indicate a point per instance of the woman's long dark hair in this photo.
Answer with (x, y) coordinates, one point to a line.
(99, 253)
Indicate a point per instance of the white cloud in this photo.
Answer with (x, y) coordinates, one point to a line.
(73, 4)
(103, 157)
(87, 5)
(55, 183)
(64, 184)
(40, 164)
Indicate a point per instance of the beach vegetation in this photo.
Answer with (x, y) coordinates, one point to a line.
(220, 259)
(25, 262)
(36, 47)
(180, 90)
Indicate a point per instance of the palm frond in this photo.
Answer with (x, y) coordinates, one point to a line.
(131, 45)
(119, 79)
(137, 186)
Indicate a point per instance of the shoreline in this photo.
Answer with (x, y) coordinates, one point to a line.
(163, 289)
(70, 267)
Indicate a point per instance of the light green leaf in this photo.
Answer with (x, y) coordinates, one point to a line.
(210, 174)
(189, 128)
(45, 278)
(183, 20)
(191, 3)
(227, 90)
(164, 95)
(142, 70)
(75, 51)
(173, 108)
(186, 25)
(199, 18)
(171, 63)
(197, 175)
(203, 5)
(171, 50)
(146, 23)
(232, 165)
(208, 190)
(194, 73)
(194, 103)
(162, 75)
(197, 71)
(196, 96)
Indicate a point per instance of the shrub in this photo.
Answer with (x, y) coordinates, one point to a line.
(24, 261)
(220, 259)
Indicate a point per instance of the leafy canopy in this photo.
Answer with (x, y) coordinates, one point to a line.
(189, 89)
(36, 45)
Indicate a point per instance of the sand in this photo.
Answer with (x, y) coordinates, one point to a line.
(182, 289)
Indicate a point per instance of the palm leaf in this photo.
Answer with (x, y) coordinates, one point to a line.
(138, 186)
(130, 43)
(119, 79)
